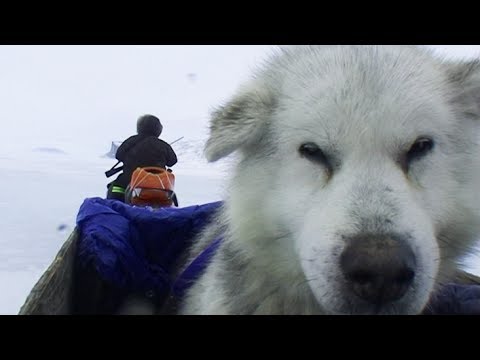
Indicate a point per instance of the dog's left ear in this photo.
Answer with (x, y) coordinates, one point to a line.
(466, 77)
(241, 122)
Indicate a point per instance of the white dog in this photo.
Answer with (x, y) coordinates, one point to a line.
(357, 185)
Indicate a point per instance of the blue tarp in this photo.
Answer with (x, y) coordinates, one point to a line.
(135, 248)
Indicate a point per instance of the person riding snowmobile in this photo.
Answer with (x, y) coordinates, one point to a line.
(141, 151)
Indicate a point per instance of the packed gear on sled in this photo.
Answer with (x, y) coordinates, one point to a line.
(151, 186)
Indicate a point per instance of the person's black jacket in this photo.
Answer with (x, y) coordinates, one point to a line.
(143, 151)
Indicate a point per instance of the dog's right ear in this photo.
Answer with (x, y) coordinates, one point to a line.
(240, 122)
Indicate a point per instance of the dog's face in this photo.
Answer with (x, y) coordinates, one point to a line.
(360, 168)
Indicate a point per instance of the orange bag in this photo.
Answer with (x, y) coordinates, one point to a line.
(151, 186)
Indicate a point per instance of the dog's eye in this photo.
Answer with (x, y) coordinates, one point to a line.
(313, 153)
(420, 148)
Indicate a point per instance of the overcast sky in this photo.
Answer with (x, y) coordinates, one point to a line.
(79, 98)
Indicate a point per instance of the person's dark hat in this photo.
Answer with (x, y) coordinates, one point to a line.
(149, 125)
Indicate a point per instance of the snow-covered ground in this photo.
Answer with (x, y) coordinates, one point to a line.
(40, 202)
(62, 106)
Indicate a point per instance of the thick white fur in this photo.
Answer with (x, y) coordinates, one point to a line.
(286, 219)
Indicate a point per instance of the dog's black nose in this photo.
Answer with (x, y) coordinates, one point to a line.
(379, 269)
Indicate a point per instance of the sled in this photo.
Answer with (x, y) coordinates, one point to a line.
(164, 235)
(52, 294)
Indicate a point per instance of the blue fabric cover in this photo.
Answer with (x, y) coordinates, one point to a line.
(134, 248)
